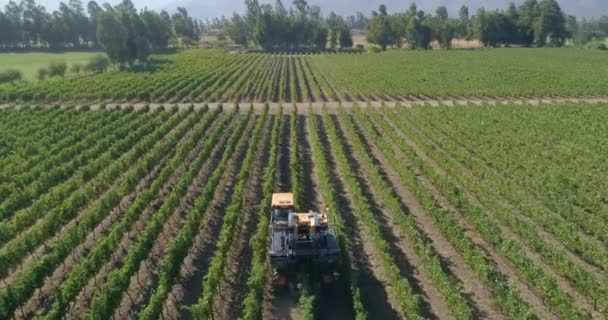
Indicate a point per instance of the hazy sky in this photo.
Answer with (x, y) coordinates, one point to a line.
(212, 8)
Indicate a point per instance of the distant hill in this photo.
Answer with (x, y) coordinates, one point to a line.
(207, 9)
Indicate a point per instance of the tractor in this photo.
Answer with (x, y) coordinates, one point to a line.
(304, 249)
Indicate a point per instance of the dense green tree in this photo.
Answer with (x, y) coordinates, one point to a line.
(550, 24)
(346, 39)
(112, 36)
(528, 13)
(379, 29)
(464, 21)
(442, 13)
(238, 30)
(321, 38)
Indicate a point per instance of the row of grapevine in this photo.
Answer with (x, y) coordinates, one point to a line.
(178, 247)
(552, 255)
(506, 295)
(431, 261)
(253, 302)
(559, 300)
(55, 169)
(106, 245)
(578, 191)
(109, 295)
(408, 300)
(203, 309)
(319, 155)
(56, 216)
(192, 76)
(28, 279)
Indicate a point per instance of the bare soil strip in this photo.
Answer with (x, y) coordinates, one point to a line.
(348, 103)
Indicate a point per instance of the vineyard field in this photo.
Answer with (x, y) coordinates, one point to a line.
(206, 76)
(476, 211)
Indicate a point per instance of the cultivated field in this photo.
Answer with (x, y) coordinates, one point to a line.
(215, 76)
(442, 212)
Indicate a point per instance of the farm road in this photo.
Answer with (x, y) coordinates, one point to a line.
(333, 105)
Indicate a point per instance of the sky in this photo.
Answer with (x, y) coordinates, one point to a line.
(215, 8)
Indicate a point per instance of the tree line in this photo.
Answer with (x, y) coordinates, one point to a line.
(299, 27)
(125, 33)
(533, 23)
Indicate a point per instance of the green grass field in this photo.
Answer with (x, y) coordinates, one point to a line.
(29, 63)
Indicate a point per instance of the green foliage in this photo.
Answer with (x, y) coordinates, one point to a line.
(379, 29)
(10, 76)
(97, 64)
(42, 74)
(57, 69)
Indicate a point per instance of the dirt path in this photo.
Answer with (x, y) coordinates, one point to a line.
(406, 101)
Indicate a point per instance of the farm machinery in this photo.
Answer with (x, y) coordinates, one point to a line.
(303, 247)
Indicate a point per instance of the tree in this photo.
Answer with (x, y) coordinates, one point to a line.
(442, 13)
(346, 39)
(527, 13)
(334, 25)
(464, 22)
(321, 38)
(379, 30)
(238, 30)
(113, 37)
(446, 33)
(550, 25)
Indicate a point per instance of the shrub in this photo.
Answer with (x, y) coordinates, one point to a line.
(10, 75)
(76, 68)
(57, 69)
(98, 63)
(597, 45)
(42, 74)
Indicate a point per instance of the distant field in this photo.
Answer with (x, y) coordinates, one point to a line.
(29, 63)
(515, 71)
(214, 75)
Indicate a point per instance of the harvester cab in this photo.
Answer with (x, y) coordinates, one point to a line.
(301, 244)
